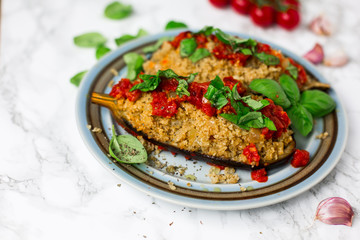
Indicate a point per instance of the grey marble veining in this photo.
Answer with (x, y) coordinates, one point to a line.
(51, 187)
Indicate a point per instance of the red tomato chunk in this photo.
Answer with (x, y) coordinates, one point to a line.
(121, 90)
(259, 175)
(300, 158)
(251, 153)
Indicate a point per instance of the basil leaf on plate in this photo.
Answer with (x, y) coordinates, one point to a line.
(101, 51)
(292, 70)
(173, 25)
(255, 105)
(199, 54)
(269, 124)
(90, 40)
(157, 45)
(268, 59)
(117, 10)
(76, 80)
(126, 149)
(249, 116)
(301, 119)
(272, 90)
(187, 47)
(317, 102)
(290, 88)
(134, 64)
(127, 37)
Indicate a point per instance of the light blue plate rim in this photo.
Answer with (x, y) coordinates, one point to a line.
(301, 187)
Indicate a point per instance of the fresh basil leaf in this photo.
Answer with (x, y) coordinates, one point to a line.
(192, 77)
(76, 80)
(255, 105)
(317, 102)
(182, 88)
(168, 73)
(210, 92)
(269, 124)
(174, 25)
(199, 54)
(127, 37)
(117, 10)
(268, 59)
(207, 30)
(90, 40)
(255, 123)
(187, 47)
(246, 51)
(301, 119)
(249, 116)
(134, 64)
(148, 84)
(230, 117)
(157, 45)
(101, 51)
(272, 90)
(235, 93)
(292, 70)
(217, 83)
(220, 100)
(290, 88)
(224, 37)
(127, 149)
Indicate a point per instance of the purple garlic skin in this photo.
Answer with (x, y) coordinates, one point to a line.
(315, 55)
(335, 211)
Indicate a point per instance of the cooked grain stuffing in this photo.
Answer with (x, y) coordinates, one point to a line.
(203, 104)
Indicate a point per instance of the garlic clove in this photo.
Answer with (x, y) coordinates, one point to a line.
(336, 59)
(315, 55)
(321, 26)
(335, 211)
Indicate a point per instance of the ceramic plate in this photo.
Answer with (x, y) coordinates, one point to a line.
(284, 182)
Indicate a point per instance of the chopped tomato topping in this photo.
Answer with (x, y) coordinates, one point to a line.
(162, 106)
(122, 88)
(300, 158)
(201, 40)
(197, 92)
(251, 153)
(230, 82)
(176, 42)
(168, 85)
(259, 175)
(262, 47)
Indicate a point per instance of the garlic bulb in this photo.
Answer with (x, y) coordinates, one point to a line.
(335, 211)
(321, 26)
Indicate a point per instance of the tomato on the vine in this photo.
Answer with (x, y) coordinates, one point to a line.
(288, 19)
(262, 15)
(241, 6)
(219, 3)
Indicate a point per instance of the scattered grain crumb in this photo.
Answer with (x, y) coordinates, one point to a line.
(134, 212)
(171, 185)
(154, 162)
(243, 189)
(144, 236)
(171, 223)
(188, 184)
(229, 176)
(119, 185)
(110, 84)
(96, 130)
(151, 172)
(201, 222)
(88, 126)
(260, 232)
(322, 135)
(114, 72)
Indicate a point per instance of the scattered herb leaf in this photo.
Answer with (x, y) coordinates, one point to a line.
(117, 10)
(187, 47)
(268, 59)
(292, 70)
(90, 40)
(127, 37)
(101, 51)
(199, 54)
(127, 149)
(76, 80)
(173, 25)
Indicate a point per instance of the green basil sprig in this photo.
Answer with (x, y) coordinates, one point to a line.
(272, 90)
(317, 102)
(268, 59)
(151, 82)
(127, 37)
(174, 25)
(290, 88)
(301, 119)
(199, 54)
(101, 51)
(76, 80)
(90, 40)
(187, 47)
(117, 10)
(126, 149)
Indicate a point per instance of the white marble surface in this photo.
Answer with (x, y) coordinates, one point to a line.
(51, 187)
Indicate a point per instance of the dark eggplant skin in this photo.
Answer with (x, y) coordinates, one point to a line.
(109, 102)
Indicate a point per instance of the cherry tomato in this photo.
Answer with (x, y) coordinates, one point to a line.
(219, 3)
(262, 15)
(289, 19)
(241, 6)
